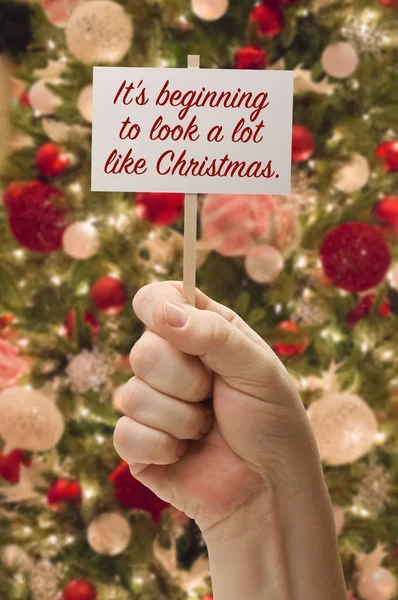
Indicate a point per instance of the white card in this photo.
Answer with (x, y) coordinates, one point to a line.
(192, 130)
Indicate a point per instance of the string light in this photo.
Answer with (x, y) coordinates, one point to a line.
(301, 262)
(56, 280)
(89, 492)
(380, 437)
(51, 44)
(100, 439)
(23, 342)
(53, 539)
(82, 289)
(19, 253)
(278, 308)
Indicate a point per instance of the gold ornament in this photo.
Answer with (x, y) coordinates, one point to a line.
(109, 534)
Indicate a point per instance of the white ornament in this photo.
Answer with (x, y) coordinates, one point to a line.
(339, 60)
(353, 176)
(42, 99)
(117, 397)
(303, 83)
(16, 559)
(209, 10)
(29, 420)
(109, 534)
(344, 427)
(264, 264)
(81, 240)
(85, 103)
(52, 72)
(375, 582)
(44, 580)
(393, 277)
(60, 132)
(99, 31)
(338, 514)
(89, 371)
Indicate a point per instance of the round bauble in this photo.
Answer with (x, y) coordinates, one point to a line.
(29, 420)
(209, 10)
(109, 295)
(38, 217)
(263, 264)
(387, 211)
(338, 514)
(303, 143)
(10, 465)
(339, 60)
(268, 18)
(51, 161)
(379, 584)
(64, 490)
(251, 57)
(81, 240)
(388, 152)
(344, 427)
(15, 559)
(288, 349)
(353, 176)
(42, 99)
(99, 31)
(79, 589)
(85, 103)
(109, 534)
(355, 256)
(159, 208)
(394, 277)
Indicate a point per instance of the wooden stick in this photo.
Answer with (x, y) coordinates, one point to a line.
(190, 227)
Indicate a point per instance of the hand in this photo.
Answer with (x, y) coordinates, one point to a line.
(255, 434)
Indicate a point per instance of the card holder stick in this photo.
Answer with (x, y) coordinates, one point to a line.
(190, 227)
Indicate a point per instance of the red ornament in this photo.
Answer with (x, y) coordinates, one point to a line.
(289, 349)
(13, 192)
(208, 597)
(88, 317)
(133, 494)
(79, 589)
(10, 465)
(6, 322)
(160, 209)
(250, 57)
(355, 257)
(64, 490)
(24, 100)
(363, 308)
(51, 161)
(109, 295)
(269, 19)
(303, 143)
(37, 215)
(388, 152)
(387, 210)
(390, 3)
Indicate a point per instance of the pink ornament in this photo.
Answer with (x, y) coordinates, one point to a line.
(58, 11)
(235, 225)
(11, 366)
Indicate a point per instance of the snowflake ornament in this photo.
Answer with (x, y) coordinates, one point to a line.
(89, 371)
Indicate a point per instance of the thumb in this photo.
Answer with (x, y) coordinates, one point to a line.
(221, 346)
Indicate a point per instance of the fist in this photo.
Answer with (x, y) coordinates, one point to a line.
(213, 420)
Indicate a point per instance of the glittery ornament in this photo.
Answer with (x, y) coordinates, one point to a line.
(304, 195)
(85, 103)
(51, 161)
(44, 580)
(15, 559)
(162, 251)
(100, 31)
(251, 57)
(386, 210)
(29, 420)
(309, 312)
(344, 427)
(374, 489)
(109, 295)
(339, 60)
(81, 240)
(353, 176)
(42, 99)
(374, 581)
(363, 32)
(268, 18)
(158, 208)
(303, 143)
(263, 264)
(355, 256)
(89, 371)
(79, 589)
(209, 10)
(109, 534)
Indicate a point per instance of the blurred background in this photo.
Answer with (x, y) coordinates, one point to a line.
(315, 273)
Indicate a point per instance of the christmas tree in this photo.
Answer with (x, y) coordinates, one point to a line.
(314, 273)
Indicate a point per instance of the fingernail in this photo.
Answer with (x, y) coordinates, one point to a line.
(174, 315)
(182, 448)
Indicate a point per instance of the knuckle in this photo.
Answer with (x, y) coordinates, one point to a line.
(220, 332)
(163, 446)
(134, 398)
(198, 388)
(144, 354)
